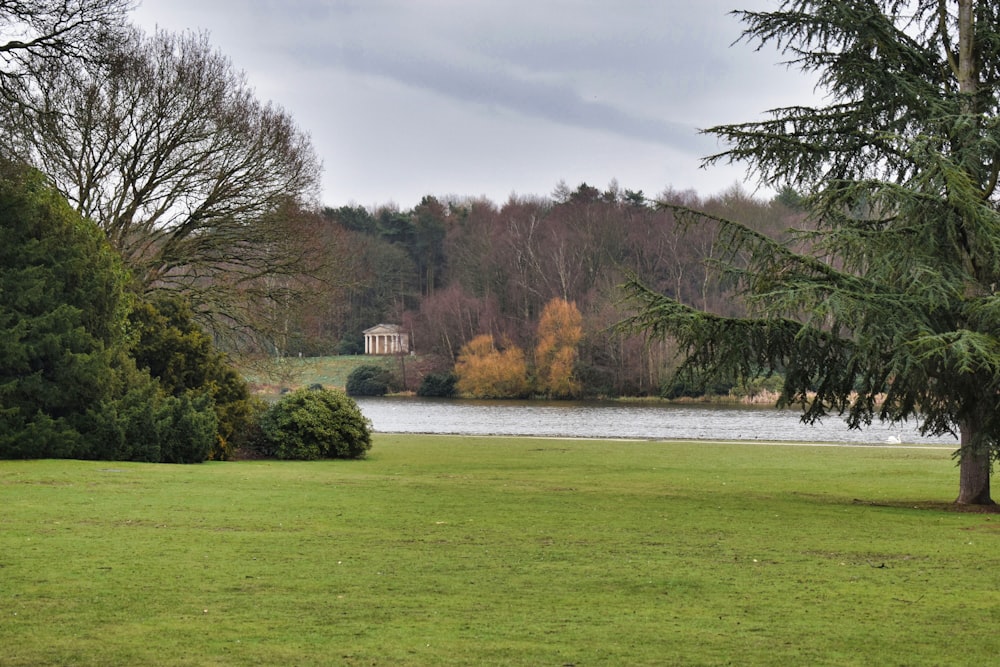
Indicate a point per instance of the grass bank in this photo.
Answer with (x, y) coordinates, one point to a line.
(269, 376)
(504, 551)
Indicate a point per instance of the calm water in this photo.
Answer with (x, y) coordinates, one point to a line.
(618, 420)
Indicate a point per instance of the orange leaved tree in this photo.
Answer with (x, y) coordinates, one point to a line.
(560, 329)
(484, 371)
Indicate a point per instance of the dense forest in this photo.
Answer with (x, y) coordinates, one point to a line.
(450, 271)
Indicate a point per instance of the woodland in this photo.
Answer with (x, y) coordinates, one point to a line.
(452, 271)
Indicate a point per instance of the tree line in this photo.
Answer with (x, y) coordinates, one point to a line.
(210, 195)
(453, 270)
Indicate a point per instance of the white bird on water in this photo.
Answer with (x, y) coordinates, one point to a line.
(893, 440)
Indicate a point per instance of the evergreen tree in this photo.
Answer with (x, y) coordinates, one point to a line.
(891, 313)
(62, 313)
(68, 387)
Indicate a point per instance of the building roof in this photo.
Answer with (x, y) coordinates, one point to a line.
(384, 329)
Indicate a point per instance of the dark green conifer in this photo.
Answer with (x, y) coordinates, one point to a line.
(891, 313)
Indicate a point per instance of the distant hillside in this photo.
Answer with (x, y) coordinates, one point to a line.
(271, 376)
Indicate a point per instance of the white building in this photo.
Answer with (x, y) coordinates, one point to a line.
(386, 339)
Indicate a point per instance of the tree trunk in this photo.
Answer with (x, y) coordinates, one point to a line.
(967, 75)
(974, 471)
(974, 465)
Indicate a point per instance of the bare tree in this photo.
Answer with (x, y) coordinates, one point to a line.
(194, 180)
(53, 30)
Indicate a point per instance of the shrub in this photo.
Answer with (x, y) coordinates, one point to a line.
(693, 388)
(759, 385)
(190, 431)
(351, 345)
(147, 424)
(250, 442)
(181, 355)
(368, 381)
(484, 371)
(314, 424)
(437, 385)
(129, 427)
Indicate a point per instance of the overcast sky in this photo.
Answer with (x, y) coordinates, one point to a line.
(405, 98)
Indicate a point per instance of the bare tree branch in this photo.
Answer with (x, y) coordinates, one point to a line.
(49, 30)
(163, 143)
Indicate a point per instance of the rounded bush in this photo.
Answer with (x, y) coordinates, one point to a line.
(368, 381)
(310, 424)
(693, 388)
(437, 385)
(351, 346)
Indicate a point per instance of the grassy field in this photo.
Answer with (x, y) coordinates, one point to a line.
(303, 371)
(296, 372)
(467, 551)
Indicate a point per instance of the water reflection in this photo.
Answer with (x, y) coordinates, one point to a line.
(619, 420)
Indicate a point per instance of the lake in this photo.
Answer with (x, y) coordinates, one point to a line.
(613, 419)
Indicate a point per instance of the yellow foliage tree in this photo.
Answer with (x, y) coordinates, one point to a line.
(560, 330)
(484, 371)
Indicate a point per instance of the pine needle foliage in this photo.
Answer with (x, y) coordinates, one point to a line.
(887, 307)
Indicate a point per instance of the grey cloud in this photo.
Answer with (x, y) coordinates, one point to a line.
(548, 89)
(555, 102)
(632, 68)
(595, 69)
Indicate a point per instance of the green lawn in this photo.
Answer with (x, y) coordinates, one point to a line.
(501, 551)
(304, 371)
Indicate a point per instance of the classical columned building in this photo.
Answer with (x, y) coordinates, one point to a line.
(386, 339)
